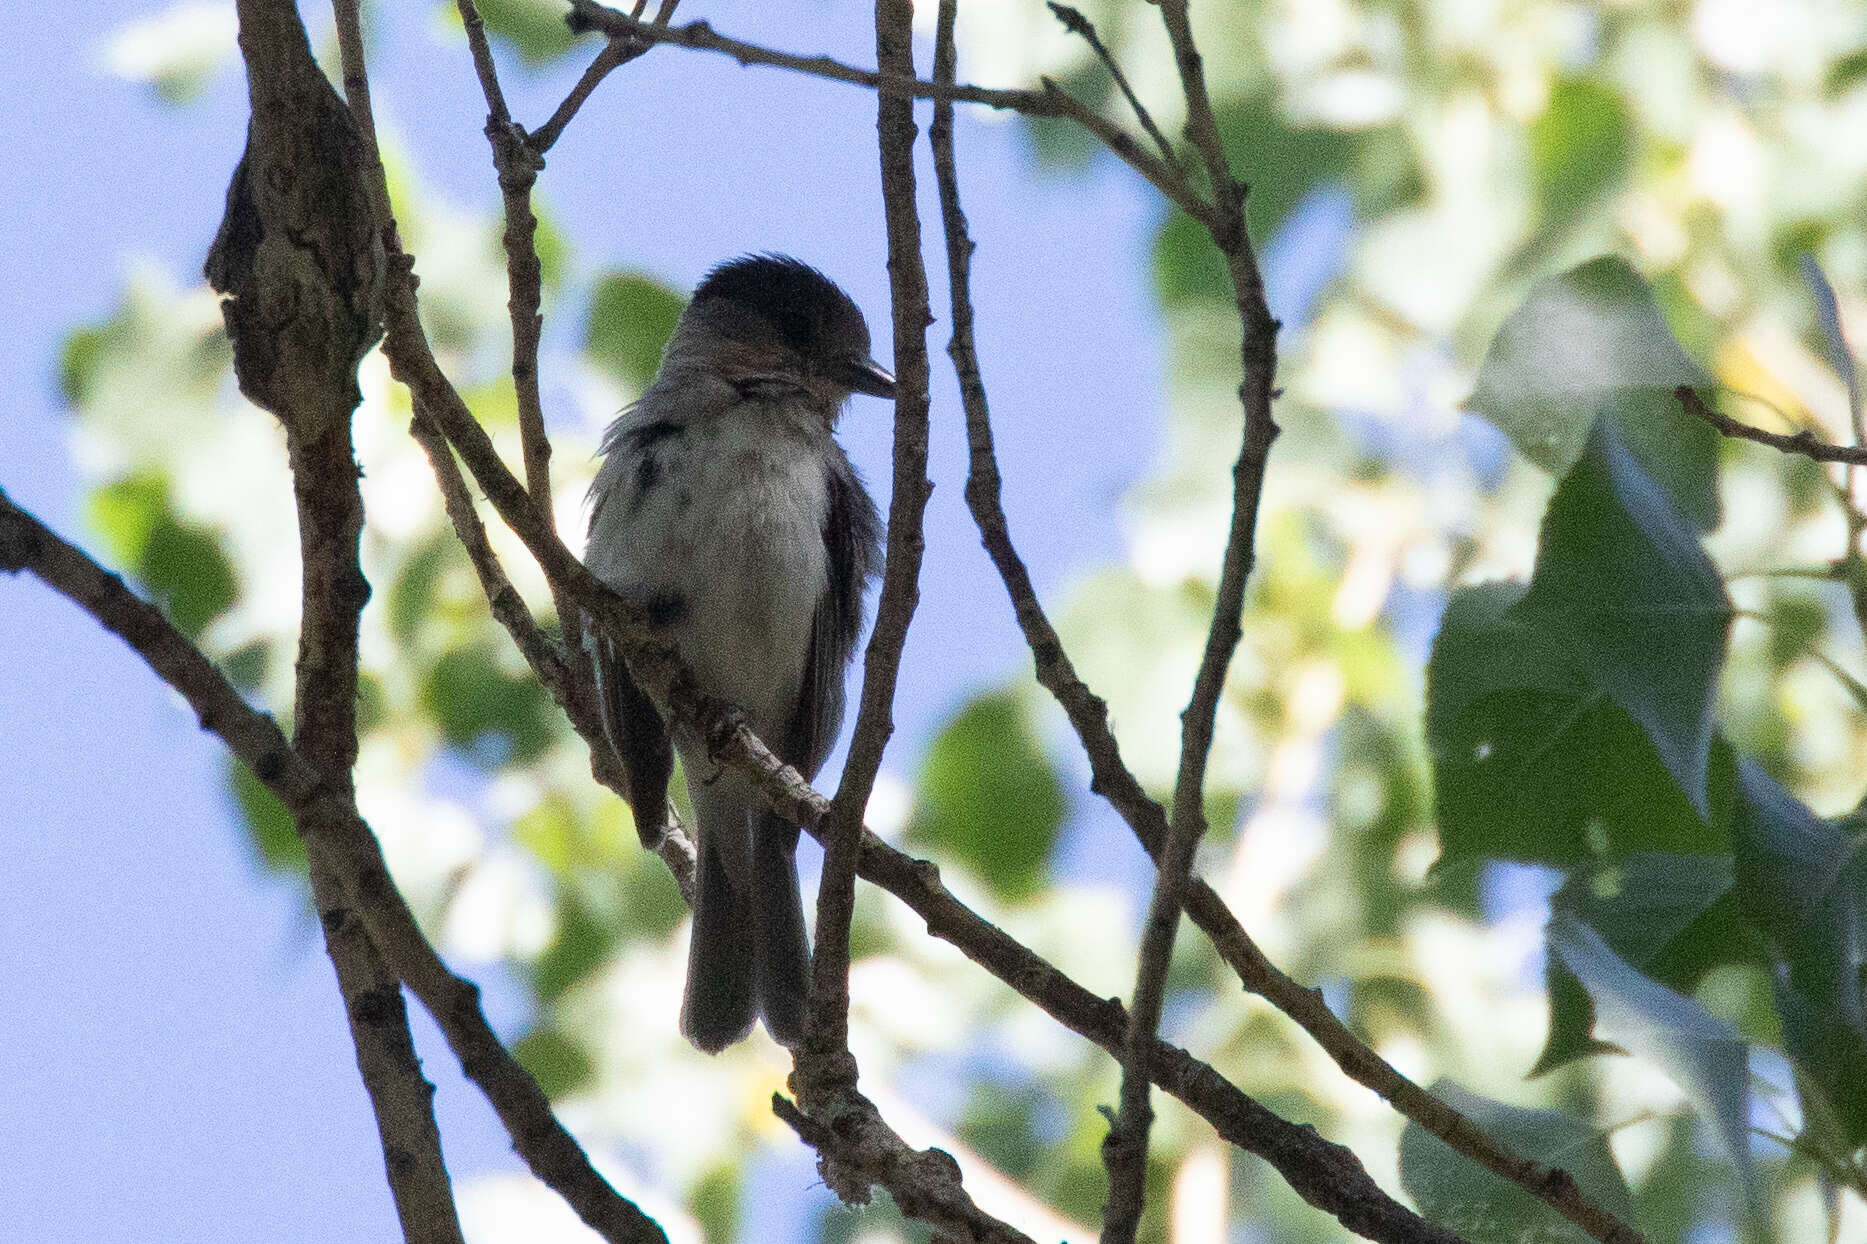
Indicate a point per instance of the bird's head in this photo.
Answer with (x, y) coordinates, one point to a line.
(772, 324)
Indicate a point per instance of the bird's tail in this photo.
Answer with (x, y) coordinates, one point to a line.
(782, 958)
(721, 1000)
(750, 954)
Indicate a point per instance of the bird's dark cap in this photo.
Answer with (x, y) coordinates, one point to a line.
(803, 306)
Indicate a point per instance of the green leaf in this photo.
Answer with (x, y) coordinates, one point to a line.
(1645, 908)
(185, 567)
(1702, 1054)
(631, 318)
(268, 825)
(1530, 761)
(582, 943)
(1641, 905)
(714, 1201)
(1623, 587)
(557, 1060)
(1464, 1197)
(472, 700)
(1592, 342)
(989, 797)
(1803, 882)
(180, 563)
(1579, 147)
(534, 28)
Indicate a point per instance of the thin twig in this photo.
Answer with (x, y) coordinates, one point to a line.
(1125, 1150)
(896, 133)
(1801, 443)
(518, 167)
(616, 53)
(1077, 23)
(1051, 101)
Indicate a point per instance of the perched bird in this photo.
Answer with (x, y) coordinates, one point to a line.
(725, 509)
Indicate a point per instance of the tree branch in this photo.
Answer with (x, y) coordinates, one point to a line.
(1125, 1150)
(1801, 443)
(550, 1152)
(295, 262)
(1078, 24)
(1051, 101)
(925, 1183)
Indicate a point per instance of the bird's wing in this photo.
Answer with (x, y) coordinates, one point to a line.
(852, 553)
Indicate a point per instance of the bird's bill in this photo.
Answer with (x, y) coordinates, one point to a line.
(865, 375)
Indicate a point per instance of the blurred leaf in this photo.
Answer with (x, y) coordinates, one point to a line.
(1642, 904)
(268, 825)
(181, 564)
(176, 52)
(1845, 73)
(714, 1201)
(471, 699)
(1803, 882)
(1530, 762)
(184, 566)
(582, 943)
(126, 512)
(552, 244)
(1462, 1196)
(1834, 337)
(1592, 341)
(411, 592)
(1280, 163)
(989, 798)
(1571, 1021)
(1579, 146)
(631, 319)
(1623, 587)
(534, 28)
(1702, 1054)
(555, 1059)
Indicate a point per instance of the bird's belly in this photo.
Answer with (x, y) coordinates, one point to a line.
(755, 569)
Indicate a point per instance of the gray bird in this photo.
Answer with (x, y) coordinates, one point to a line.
(725, 509)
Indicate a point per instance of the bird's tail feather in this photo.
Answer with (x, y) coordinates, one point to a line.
(722, 996)
(782, 958)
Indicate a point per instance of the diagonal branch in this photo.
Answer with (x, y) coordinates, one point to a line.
(1078, 24)
(354, 856)
(1051, 101)
(616, 53)
(1801, 443)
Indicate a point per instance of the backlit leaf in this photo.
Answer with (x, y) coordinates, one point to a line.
(989, 797)
(1462, 1196)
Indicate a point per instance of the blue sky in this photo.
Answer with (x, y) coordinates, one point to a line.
(178, 1062)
